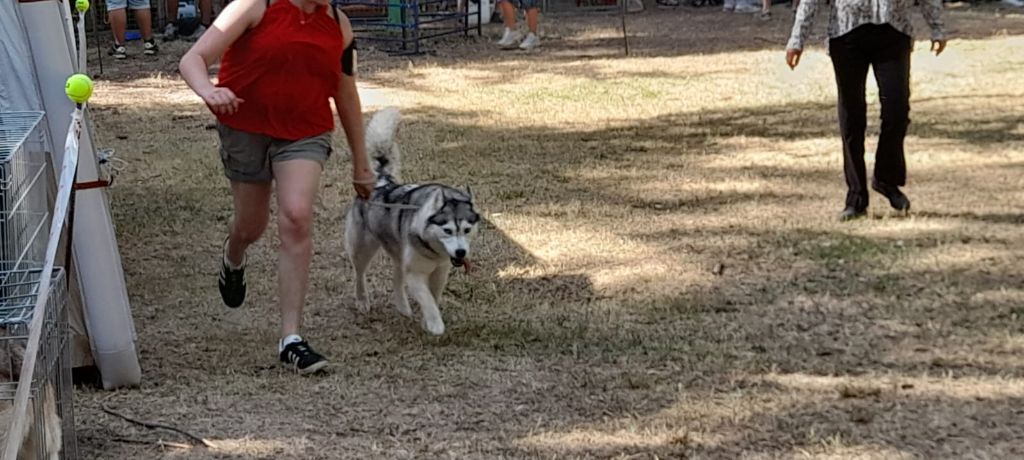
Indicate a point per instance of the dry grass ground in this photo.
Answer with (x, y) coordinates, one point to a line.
(660, 275)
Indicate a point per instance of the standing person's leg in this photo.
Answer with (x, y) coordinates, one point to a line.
(206, 12)
(117, 15)
(512, 35)
(205, 18)
(144, 18)
(171, 30)
(297, 167)
(766, 9)
(892, 72)
(850, 63)
(532, 39)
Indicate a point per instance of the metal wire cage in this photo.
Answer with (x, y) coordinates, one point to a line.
(23, 192)
(25, 201)
(51, 425)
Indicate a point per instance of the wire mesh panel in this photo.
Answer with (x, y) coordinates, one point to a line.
(25, 203)
(23, 191)
(51, 427)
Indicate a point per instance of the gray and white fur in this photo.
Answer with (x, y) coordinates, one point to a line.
(424, 229)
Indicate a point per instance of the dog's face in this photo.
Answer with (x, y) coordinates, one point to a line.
(452, 223)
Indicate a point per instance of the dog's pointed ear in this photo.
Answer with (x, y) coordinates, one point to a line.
(469, 193)
(437, 201)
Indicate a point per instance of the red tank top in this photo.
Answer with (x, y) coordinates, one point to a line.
(286, 69)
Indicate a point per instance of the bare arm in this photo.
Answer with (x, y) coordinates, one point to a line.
(236, 18)
(350, 111)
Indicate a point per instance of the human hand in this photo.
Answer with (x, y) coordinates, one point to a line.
(938, 46)
(793, 57)
(221, 100)
(364, 181)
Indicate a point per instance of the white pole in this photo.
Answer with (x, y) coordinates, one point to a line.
(82, 6)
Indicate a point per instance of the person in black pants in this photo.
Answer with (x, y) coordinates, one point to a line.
(884, 44)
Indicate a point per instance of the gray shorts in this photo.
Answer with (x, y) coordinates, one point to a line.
(122, 4)
(247, 157)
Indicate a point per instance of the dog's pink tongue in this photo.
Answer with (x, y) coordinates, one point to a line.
(467, 265)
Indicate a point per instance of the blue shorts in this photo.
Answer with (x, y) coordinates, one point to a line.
(132, 4)
(523, 4)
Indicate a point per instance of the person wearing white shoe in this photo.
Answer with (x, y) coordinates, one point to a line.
(174, 30)
(513, 36)
(1017, 3)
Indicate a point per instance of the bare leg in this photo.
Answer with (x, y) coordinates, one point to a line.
(298, 182)
(118, 23)
(205, 12)
(145, 20)
(532, 19)
(252, 212)
(508, 14)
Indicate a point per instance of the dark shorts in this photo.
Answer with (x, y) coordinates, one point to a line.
(248, 157)
(523, 4)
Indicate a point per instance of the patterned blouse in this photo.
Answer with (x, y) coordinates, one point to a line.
(847, 15)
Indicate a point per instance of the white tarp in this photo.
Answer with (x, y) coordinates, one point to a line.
(18, 90)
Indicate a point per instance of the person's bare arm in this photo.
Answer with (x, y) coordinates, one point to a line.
(350, 111)
(236, 18)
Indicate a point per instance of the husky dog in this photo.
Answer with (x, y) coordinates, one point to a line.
(424, 229)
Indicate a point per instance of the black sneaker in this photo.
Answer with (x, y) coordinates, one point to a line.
(302, 358)
(232, 283)
(118, 51)
(897, 199)
(851, 213)
(149, 47)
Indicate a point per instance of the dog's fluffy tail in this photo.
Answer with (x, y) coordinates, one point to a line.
(380, 142)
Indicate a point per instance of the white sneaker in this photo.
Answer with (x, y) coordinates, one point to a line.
(747, 9)
(510, 38)
(532, 41)
(170, 32)
(1017, 3)
(198, 33)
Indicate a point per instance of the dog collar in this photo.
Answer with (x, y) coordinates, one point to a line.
(426, 245)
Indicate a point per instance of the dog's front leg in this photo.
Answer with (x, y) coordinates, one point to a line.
(419, 289)
(438, 280)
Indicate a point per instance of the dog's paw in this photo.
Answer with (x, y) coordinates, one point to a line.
(363, 305)
(404, 310)
(401, 305)
(434, 327)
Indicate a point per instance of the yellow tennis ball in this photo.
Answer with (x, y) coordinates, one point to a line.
(82, 5)
(78, 88)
